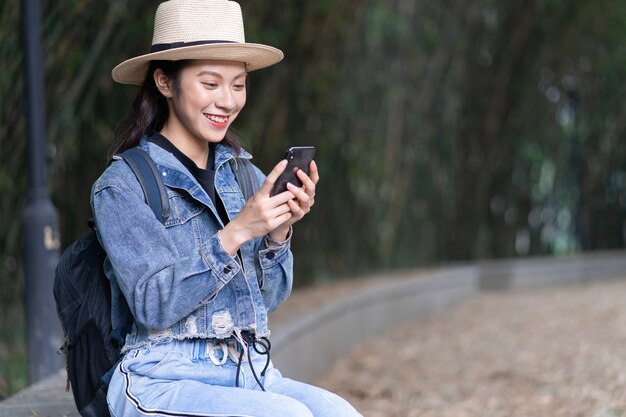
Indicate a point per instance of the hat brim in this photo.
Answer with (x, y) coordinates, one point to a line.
(254, 55)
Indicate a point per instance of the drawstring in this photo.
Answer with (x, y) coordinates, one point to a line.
(239, 369)
(244, 341)
(265, 343)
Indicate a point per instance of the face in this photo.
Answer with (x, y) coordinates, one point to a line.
(209, 97)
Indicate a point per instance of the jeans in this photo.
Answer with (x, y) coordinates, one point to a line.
(193, 377)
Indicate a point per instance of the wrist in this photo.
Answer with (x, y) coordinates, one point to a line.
(279, 237)
(231, 238)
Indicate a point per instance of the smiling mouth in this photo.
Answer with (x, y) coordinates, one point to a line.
(219, 121)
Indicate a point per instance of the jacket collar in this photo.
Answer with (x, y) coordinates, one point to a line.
(223, 154)
(176, 175)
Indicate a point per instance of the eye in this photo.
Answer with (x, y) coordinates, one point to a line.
(239, 87)
(210, 85)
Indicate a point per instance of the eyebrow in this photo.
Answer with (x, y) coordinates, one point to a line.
(218, 75)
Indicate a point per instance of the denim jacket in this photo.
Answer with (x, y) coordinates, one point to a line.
(176, 279)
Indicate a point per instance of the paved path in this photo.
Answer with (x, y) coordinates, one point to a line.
(553, 352)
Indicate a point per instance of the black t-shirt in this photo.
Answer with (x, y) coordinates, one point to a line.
(206, 177)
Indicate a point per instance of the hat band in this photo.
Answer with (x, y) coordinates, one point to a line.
(166, 46)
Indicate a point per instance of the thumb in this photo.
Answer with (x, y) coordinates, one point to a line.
(271, 178)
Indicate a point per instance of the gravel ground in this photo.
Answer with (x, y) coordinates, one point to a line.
(556, 352)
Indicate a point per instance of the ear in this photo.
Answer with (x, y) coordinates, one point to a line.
(163, 83)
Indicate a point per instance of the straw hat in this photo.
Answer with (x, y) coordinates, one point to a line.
(197, 29)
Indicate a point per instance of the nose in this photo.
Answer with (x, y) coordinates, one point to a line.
(226, 99)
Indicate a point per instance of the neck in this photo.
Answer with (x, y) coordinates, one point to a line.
(198, 152)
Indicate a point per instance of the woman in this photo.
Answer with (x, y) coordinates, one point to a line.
(199, 286)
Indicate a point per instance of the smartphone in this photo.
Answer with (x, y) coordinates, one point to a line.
(298, 157)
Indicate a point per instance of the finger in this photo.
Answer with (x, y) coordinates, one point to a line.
(283, 197)
(299, 193)
(300, 207)
(307, 183)
(314, 173)
(298, 210)
(271, 178)
(282, 219)
(274, 217)
(280, 210)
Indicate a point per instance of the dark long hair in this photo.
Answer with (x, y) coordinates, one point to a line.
(149, 110)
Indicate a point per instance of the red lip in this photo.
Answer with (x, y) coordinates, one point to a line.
(217, 124)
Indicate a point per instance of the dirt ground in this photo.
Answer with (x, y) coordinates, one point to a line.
(555, 352)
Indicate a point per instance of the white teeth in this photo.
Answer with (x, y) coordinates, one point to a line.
(217, 119)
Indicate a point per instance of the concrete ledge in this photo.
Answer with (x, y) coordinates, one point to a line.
(533, 273)
(306, 348)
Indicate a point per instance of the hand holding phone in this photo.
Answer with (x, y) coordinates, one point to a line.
(298, 158)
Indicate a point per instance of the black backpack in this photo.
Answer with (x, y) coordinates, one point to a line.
(83, 294)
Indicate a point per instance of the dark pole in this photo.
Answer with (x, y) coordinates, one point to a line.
(40, 228)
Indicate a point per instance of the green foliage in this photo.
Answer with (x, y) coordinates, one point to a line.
(12, 161)
(12, 353)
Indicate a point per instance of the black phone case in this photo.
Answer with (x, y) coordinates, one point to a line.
(298, 157)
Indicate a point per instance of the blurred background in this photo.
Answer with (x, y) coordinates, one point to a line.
(446, 130)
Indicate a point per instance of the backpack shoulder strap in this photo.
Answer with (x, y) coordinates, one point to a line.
(150, 180)
(246, 176)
